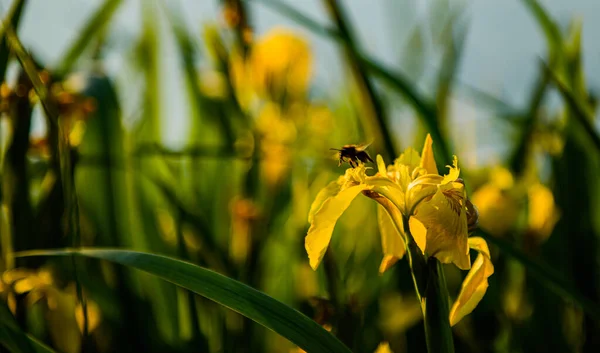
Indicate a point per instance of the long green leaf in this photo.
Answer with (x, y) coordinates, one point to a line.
(14, 339)
(581, 111)
(230, 293)
(12, 18)
(545, 276)
(359, 71)
(94, 25)
(550, 28)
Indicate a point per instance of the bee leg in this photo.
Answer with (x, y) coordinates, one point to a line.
(352, 163)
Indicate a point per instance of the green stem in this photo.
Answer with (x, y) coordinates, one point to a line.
(430, 286)
(436, 308)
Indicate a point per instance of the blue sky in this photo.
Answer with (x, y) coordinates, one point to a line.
(502, 46)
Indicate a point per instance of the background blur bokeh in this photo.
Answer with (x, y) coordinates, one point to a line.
(201, 130)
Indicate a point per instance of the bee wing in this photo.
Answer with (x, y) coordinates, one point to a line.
(363, 146)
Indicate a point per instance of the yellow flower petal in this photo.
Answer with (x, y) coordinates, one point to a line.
(475, 284)
(543, 214)
(93, 313)
(427, 159)
(445, 218)
(409, 158)
(389, 189)
(383, 347)
(453, 173)
(418, 232)
(330, 190)
(381, 166)
(323, 222)
(392, 241)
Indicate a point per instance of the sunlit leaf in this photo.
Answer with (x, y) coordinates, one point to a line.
(86, 35)
(230, 293)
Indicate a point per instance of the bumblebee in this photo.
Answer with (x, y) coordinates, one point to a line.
(353, 154)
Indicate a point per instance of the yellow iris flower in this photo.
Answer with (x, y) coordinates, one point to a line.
(279, 67)
(434, 209)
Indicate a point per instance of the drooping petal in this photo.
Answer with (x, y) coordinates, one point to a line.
(330, 190)
(427, 159)
(444, 216)
(323, 221)
(392, 241)
(475, 284)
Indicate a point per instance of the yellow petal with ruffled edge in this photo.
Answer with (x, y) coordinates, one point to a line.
(443, 219)
(427, 159)
(320, 231)
(392, 241)
(453, 173)
(475, 284)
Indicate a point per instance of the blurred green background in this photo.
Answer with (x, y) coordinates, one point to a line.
(201, 130)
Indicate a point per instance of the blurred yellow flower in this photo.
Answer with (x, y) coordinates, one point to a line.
(496, 202)
(542, 212)
(500, 201)
(278, 133)
(63, 311)
(278, 68)
(412, 192)
(281, 65)
(383, 347)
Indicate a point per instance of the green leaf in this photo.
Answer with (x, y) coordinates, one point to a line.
(93, 26)
(550, 28)
(582, 112)
(230, 293)
(13, 338)
(13, 17)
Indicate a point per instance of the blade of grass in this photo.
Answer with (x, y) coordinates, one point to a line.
(94, 25)
(550, 28)
(545, 275)
(186, 52)
(358, 67)
(450, 64)
(582, 113)
(521, 153)
(13, 18)
(13, 338)
(230, 293)
(30, 68)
